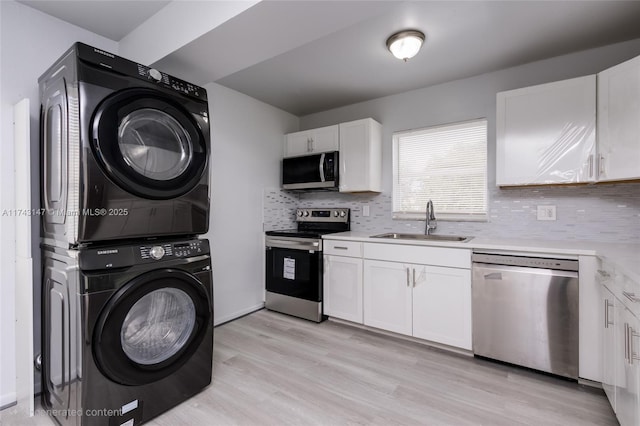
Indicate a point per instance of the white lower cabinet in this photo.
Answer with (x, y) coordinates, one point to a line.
(620, 349)
(343, 288)
(628, 368)
(442, 305)
(609, 346)
(424, 301)
(387, 296)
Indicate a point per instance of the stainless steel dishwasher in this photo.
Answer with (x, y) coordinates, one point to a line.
(525, 311)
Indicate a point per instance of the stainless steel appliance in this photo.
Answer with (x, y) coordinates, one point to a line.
(316, 171)
(294, 268)
(525, 311)
(127, 330)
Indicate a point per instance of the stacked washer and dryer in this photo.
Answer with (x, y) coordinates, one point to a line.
(127, 316)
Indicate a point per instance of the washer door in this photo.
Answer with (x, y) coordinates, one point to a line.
(148, 144)
(151, 326)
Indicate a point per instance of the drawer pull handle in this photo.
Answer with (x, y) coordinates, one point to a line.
(340, 248)
(631, 296)
(603, 274)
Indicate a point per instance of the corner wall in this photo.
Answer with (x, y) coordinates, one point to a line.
(247, 143)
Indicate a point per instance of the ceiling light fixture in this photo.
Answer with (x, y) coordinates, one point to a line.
(405, 44)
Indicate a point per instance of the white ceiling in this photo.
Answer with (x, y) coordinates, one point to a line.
(309, 56)
(112, 19)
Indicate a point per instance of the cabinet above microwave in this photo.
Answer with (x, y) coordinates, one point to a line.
(359, 147)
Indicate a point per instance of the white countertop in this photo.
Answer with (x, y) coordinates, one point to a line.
(626, 257)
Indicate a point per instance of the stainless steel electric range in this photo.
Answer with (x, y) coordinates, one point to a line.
(294, 264)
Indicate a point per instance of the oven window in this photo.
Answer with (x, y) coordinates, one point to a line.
(295, 273)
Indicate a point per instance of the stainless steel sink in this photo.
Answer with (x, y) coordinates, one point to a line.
(422, 237)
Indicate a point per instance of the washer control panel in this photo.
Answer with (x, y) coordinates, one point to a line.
(172, 250)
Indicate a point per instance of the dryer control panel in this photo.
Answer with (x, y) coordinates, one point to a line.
(124, 66)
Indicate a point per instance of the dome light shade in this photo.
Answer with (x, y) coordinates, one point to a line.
(405, 44)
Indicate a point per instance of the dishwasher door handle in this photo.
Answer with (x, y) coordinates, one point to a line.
(493, 276)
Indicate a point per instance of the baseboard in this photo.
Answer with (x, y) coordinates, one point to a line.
(7, 400)
(238, 314)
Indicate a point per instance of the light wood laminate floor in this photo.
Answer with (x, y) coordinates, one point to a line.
(271, 369)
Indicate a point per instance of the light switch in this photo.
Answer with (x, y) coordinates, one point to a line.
(365, 210)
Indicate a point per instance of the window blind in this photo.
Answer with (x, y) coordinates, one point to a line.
(446, 164)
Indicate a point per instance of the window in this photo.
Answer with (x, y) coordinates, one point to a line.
(446, 164)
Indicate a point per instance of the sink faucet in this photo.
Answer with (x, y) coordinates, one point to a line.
(431, 224)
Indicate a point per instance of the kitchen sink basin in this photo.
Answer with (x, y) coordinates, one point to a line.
(422, 237)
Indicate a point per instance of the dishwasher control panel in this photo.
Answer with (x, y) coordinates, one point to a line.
(526, 261)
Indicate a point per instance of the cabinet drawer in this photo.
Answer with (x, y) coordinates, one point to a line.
(439, 256)
(342, 248)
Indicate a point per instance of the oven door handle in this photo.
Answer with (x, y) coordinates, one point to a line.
(295, 245)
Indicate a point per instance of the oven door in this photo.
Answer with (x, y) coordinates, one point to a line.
(294, 268)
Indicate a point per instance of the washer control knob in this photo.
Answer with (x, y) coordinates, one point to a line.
(156, 252)
(155, 74)
(343, 213)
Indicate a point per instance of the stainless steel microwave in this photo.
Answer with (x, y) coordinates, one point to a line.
(315, 171)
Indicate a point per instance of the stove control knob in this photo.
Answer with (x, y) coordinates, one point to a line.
(306, 213)
(299, 213)
(335, 214)
(343, 213)
(155, 74)
(156, 252)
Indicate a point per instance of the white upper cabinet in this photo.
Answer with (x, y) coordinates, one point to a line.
(546, 133)
(619, 122)
(322, 139)
(361, 156)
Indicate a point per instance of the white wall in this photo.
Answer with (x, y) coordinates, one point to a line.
(247, 140)
(594, 212)
(30, 41)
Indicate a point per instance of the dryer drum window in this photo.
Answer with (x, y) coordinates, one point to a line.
(154, 144)
(149, 144)
(151, 326)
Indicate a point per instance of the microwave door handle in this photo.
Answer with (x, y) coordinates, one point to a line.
(322, 168)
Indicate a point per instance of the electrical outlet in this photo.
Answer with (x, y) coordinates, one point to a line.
(365, 210)
(546, 212)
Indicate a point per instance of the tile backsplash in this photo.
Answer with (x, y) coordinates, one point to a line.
(605, 212)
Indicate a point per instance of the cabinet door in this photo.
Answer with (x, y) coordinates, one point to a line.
(361, 156)
(628, 396)
(609, 346)
(343, 288)
(442, 305)
(619, 121)
(546, 133)
(296, 144)
(324, 139)
(387, 296)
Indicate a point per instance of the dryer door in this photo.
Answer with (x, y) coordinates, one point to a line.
(151, 326)
(149, 144)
